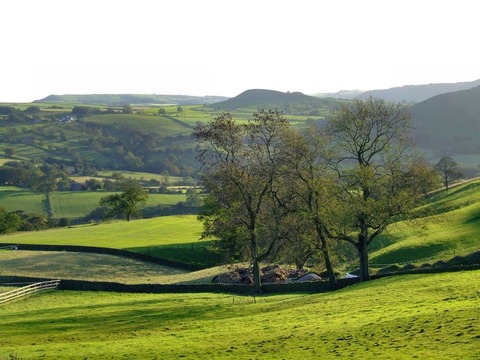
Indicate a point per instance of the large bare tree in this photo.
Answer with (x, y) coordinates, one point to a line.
(240, 165)
(377, 172)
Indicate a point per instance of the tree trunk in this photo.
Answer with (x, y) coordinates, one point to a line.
(326, 255)
(328, 265)
(257, 284)
(362, 248)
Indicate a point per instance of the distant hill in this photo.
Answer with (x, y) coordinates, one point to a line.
(343, 94)
(417, 93)
(131, 99)
(449, 124)
(261, 98)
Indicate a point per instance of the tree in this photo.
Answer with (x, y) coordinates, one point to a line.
(377, 177)
(239, 165)
(311, 194)
(448, 169)
(193, 198)
(126, 203)
(9, 221)
(82, 111)
(127, 109)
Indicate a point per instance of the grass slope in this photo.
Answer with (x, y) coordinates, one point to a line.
(404, 317)
(165, 230)
(70, 204)
(13, 198)
(450, 227)
(173, 237)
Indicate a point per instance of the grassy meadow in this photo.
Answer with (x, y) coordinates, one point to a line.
(404, 317)
(13, 198)
(173, 237)
(69, 204)
(164, 230)
(449, 226)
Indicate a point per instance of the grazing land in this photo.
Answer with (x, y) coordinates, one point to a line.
(403, 317)
(448, 226)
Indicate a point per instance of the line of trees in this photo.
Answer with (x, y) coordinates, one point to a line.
(275, 192)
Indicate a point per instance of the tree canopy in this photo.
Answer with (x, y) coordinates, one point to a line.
(272, 190)
(126, 203)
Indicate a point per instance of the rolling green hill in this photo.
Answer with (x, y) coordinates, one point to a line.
(289, 103)
(449, 124)
(403, 317)
(122, 99)
(448, 225)
(417, 93)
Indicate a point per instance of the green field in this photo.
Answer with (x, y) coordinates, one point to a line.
(403, 317)
(78, 204)
(69, 204)
(164, 230)
(450, 226)
(97, 267)
(13, 198)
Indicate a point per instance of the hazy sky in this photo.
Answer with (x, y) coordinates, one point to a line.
(210, 47)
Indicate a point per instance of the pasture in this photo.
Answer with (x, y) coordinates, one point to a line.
(13, 198)
(97, 267)
(165, 230)
(69, 204)
(448, 226)
(173, 237)
(404, 317)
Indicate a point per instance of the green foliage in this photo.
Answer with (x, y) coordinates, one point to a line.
(127, 203)
(426, 317)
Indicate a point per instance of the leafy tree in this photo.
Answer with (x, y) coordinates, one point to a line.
(447, 167)
(127, 109)
(240, 163)
(9, 221)
(310, 185)
(93, 184)
(33, 110)
(10, 151)
(82, 111)
(377, 174)
(126, 203)
(162, 111)
(193, 198)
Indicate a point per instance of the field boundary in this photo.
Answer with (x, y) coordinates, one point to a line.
(269, 288)
(104, 251)
(28, 290)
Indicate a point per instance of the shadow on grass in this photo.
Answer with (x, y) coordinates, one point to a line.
(410, 254)
(200, 254)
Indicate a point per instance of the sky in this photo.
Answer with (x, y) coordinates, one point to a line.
(224, 47)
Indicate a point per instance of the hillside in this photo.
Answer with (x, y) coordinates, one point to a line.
(448, 225)
(404, 317)
(133, 99)
(449, 124)
(294, 102)
(417, 93)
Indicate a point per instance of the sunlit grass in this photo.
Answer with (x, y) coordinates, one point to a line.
(404, 317)
(178, 229)
(450, 227)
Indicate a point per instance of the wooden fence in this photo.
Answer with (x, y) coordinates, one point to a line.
(28, 290)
